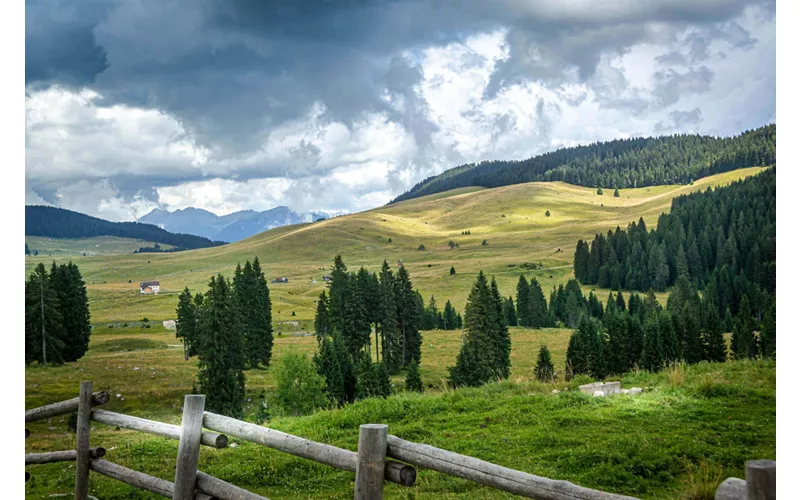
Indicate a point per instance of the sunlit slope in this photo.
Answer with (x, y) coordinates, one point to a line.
(511, 219)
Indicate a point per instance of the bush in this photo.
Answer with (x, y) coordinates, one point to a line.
(600, 191)
(484, 243)
(373, 381)
(616, 193)
(452, 270)
(421, 248)
(547, 214)
(301, 390)
(413, 379)
(390, 240)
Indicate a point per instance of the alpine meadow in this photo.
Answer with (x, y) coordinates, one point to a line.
(538, 255)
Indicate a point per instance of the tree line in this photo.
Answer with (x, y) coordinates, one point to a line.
(434, 319)
(229, 329)
(57, 319)
(623, 163)
(723, 241)
(60, 223)
(357, 303)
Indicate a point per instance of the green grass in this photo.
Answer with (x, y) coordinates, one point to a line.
(694, 426)
(678, 439)
(95, 246)
(510, 218)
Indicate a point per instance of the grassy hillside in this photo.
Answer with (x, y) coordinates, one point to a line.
(690, 429)
(512, 220)
(92, 247)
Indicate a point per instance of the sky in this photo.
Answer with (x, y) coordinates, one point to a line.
(335, 106)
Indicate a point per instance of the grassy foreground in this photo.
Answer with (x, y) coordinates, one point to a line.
(690, 429)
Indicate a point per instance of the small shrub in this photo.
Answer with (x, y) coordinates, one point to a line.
(72, 422)
(293, 314)
(484, 243)
(421, 248)
(390, 240)
(452, 270)
(452, 244)
(145, 320)
(413, 379)
(300, 389)
(547, 213)
(616, 193)
(600, 191)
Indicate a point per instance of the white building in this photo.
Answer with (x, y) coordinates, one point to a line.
(149, 287)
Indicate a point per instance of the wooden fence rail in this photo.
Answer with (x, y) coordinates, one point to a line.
(371, 463)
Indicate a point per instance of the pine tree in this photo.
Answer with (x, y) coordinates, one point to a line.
(523, 302)
(390, 334)
(408, 318)
(581, 262)
(42, 320)
(500, 339)
(544, 370)
(261, 320)
(450, 317)
(322, 321)
(222, 357)
(186, 327)
(452, 270)
(73, 303)
(413, 379)
(768, 339)
(474, 364)
(372, 380)
(538, 314)
(652, 352)
(743, 340)
(510, 311)
(585, 352)
(329, 368)
(616, 193)
(713, 340)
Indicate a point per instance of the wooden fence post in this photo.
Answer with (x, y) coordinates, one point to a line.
(761, 479)
(371, 461)
(82, 442)
(189, 447)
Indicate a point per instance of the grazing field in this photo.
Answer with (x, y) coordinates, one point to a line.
(691, 428)
(73, 247)
(511, 219)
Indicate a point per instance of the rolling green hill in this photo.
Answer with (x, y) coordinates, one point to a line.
(511, 219)
(94, 246)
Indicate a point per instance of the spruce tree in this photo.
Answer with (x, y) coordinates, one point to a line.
(322, 321)
(743, 340)
(73, 303)
(500, 337)
(42, 320)
(372, 380)
(713, 340)
(452, 270)
(390, 334)
(413, 378)
(523, 302)
(408, 318)
(475, 359)
(222, 357)
(616, 193)
(329, 368)
(186, 327)
(768, 339)
(538, 314)
(652, 352)
(544, 370)
(510, 312)
(450, 317)
(261, 320)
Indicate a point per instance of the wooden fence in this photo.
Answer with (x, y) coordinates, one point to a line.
(371, 463)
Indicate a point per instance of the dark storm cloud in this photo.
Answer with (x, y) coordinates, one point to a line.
(232, 71)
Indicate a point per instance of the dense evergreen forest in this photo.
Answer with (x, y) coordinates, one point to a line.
(723, 241)
(57, 320)
(623, 163)
(55, 222)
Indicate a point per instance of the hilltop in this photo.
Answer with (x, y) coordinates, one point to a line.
(520, 239)
(621, 163)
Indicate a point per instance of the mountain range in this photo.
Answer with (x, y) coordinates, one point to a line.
(229, 228)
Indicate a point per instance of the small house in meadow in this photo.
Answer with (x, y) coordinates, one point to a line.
(149, 287)
(281, 280)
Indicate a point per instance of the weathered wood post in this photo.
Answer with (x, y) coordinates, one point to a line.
(761, 479)
(189, 447)
(371, 463)
(83, 452)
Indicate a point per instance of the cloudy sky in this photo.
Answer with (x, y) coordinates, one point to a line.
(342, 105)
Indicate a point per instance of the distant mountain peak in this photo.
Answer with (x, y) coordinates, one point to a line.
(231, 227)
